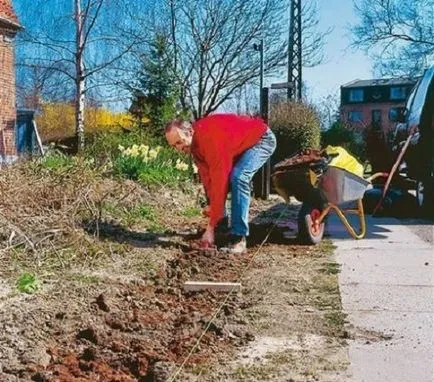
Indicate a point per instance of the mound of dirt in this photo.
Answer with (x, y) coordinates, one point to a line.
(139, 331)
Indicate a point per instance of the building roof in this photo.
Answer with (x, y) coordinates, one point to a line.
(381, 82)
(7, 13)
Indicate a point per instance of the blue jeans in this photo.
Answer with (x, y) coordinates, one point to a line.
(246, 166)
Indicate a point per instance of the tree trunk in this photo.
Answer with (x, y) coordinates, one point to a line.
(80, 78)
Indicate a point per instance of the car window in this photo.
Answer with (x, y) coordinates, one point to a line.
(419, 98)
(410, 101)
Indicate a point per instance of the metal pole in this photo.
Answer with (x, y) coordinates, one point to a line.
(261, 75)
(264, 173)
(291, 50)
(266, 169)
(260, 47)
(299, 56)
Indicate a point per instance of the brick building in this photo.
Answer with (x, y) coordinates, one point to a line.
(8, 28)
(374, 103)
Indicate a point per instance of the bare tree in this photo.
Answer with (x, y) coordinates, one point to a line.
(398, 34)
(212, 45)
(78, 43)
(313, 40)
(244, 100)
(327, 108)
(213, 41)
(36, 84)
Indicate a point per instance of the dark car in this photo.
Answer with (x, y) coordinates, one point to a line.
(418, 116)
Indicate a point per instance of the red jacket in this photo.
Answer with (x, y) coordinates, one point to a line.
(217, 142)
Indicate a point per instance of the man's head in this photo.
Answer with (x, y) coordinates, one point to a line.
(179, 134)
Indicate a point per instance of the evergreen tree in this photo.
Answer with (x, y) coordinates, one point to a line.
(157, 92)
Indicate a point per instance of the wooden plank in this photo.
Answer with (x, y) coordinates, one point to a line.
(191, 286)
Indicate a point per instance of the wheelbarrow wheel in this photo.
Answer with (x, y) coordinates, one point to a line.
(310, 232)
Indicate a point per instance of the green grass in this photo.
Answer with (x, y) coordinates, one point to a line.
(143, 211)
(28, 283)
(331, 268)
(326, 248)
(142, 214)
(191, 212)
(336, 319)
(86, 279)
(132, 215)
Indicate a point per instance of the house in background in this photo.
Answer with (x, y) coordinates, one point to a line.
(374, 103)
(9, 27)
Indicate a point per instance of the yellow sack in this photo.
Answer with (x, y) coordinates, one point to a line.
(344, 160)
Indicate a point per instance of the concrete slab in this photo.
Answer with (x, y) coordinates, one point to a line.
(386, 266)
(377, 364)
(396, 298)
(393, 329)
(379, 228)
(404, 245)
(387, 289)
(382, 274)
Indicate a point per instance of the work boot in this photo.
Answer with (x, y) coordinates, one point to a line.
(237, 245)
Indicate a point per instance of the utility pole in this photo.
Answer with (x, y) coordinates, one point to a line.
(264, 174)
(294, 51)
(260, 48)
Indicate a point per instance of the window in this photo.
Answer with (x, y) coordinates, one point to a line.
(398, 93)
(356, 95)
(376, 116)
(355, 116)
(395, 113)
(376, 119)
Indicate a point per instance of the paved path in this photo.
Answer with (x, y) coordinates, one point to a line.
(387, 288)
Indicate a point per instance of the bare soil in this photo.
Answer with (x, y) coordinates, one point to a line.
(110, 305)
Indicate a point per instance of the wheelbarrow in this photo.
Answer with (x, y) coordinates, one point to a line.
(322, 188)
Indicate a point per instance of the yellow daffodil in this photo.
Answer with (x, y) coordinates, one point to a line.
(144, 149)
(180, 165)
(153, 154)
(134, 151)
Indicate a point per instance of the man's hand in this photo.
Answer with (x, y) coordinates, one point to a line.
(208, 238)
(206, 211)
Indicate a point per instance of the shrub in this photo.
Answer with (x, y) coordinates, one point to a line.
(296, 126)
(57, 121)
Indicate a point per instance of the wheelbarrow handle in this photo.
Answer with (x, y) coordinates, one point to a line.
(377, 175)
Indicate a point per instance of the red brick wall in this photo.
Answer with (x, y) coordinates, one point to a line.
(7, 96)
(366, 110)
